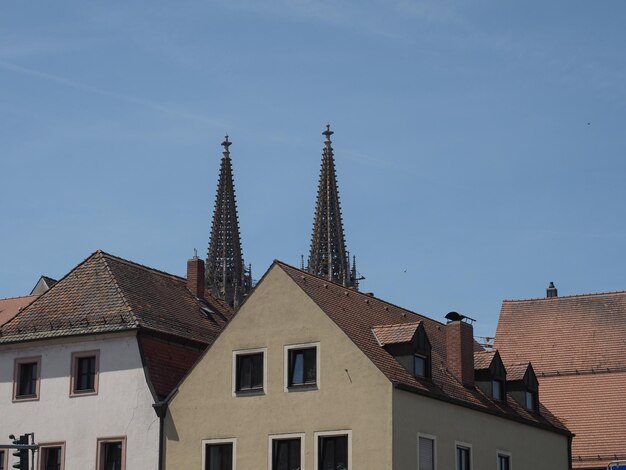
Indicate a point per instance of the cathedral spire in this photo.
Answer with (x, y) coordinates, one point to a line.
(328, 257)
(226, 274)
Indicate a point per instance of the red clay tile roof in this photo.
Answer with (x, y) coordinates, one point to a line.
(516, 372)
(576, 345)
(106, 293)
(393, 334)
(580, 332)
(482, 359)
(10, 306)
(357, 314)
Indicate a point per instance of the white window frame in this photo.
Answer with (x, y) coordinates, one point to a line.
(506, 453)
(287, 349)
(467, 445)
(273, 437)
(432, 438)
(343, 432)
(231, 440)
(243, 352)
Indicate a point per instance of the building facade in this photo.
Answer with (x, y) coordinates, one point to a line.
(311, 375)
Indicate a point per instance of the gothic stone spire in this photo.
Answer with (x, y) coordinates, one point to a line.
(226, 275)
(328, 257)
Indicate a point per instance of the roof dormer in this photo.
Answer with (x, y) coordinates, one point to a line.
(523, 385)
(409, 345)
(490, 374)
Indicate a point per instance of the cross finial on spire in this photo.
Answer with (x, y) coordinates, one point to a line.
(327, 133)
(226, 144)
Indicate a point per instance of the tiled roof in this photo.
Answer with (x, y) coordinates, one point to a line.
(106, 293)
(482, 359)
(357, 314)
(564, 334)
(393, 334)
(516, 371)
(10, 306)
(576, 345)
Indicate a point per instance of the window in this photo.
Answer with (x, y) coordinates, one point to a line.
(287, 452)
(531, 400)
(420, 366)
(463, 461)
(3, 460)
(84, 375)
(26, 378)
(504, 461)
(112, 454)
(218, 454)
(51, 456)
(497, 389)
(249, 371)
(333, 450)
(301, 366)
(426, 453)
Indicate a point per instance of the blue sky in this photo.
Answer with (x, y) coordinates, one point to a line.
(479, 145)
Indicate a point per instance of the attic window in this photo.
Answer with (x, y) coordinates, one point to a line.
(497, 388)
(420, 366)
(531, 400)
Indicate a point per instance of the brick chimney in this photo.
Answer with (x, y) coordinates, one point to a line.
(460, 351)
(195, 276)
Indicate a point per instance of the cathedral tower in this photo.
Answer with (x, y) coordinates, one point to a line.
(226, 274)
(328, 257)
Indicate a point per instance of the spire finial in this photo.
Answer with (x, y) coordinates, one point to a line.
(327, 133)
(226, 144)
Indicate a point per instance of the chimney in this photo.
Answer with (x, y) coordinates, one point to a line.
(551, 291)
(195, 276)
(460, 350)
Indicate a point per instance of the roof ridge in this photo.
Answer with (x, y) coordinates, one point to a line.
(361, 294)
(101, 254)
(18, 297)
(613, 292)
(139, 265)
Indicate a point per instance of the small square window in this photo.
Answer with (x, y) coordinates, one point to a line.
(112, 454)
(51, 456)
(218, 455)
(332, 452)
(85, 371)
(249, 374)
(3, 460)
(504, 462)
(26, 378)
(286, 453)
(302, 367)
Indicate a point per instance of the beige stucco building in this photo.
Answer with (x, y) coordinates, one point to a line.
(311, 375)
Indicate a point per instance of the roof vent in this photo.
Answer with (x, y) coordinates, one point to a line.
(551, 291)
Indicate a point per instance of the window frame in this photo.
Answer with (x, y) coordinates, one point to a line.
(342, 432)
(50, 445)
(74, 370)
(286, 368)
(231, 440)
(432, 438)
(107, 440)
(254, 391)
(278, 437)
(465, 445)
(16, 376)
(502, 384)
(4, 458)
(504, 453)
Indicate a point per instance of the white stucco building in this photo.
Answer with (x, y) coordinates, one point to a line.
(83, 365)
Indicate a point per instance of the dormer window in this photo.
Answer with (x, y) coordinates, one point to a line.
(408, 344)
(524, 386)
(490, 374)
(497, 388)
(420, 366)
